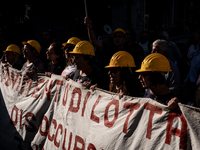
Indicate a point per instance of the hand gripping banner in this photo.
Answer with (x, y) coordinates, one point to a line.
(42, 113)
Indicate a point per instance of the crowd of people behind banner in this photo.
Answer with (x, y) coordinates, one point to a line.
(152, 69)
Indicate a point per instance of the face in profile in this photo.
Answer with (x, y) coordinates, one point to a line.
(115, 75)
(51, 54)
(144, 78)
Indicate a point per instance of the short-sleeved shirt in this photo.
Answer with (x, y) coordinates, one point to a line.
(37, 65)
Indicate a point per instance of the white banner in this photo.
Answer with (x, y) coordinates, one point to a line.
(53, 113)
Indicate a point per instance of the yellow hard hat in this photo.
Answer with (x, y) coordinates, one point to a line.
(13, 48)
(34, 44)
(83, 47)
(121, 59)
(72, 41)
(155, 62)
(119, 30)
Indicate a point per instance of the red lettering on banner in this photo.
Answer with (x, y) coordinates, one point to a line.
(85, 101)
(20, 77)
(29, 88)
(59, 83)
(177, 132)
(36, 88)
(70, 141)
(108, 123)
(15, 109)
(25, 80)
(63, 146)
(20, 123)
(55, 125)
(57, 144)
(65, 97)
(44, 133)
(71, 107)
(132, 107)
(153, 109)
(48, 92)
(33, 128)
(78, 139)
(12, 78)
(7, 83)
(93, 117)
(91, 147)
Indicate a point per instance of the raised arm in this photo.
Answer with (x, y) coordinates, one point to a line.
(91, 34)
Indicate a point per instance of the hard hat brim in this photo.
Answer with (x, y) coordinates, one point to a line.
(81, 53)
(150, 70)
(11, 51)
(111, 66)
(24, 43)
(65, 44)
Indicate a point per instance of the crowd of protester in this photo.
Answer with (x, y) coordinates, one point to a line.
(148, 68)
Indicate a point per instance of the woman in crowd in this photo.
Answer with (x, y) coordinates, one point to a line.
(70, 67)
(85, 73)
(122, 80)
(55, 55)
(152, 78)
(31, 51)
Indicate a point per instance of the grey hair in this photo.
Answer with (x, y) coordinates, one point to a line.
(163, 44)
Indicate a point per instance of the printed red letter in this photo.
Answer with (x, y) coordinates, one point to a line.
(153, 109)
(93, 117)
(108, 123)
(177, 132)
(72, 108)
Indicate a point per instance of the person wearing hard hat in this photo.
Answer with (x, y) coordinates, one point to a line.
(122, 80)
(30, 51)
(12, 54)
(151, 76)
(70, 67)
(85, 73)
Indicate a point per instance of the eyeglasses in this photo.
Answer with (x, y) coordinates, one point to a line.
(118, 36)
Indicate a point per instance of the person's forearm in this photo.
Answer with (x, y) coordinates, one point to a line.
(93, 38)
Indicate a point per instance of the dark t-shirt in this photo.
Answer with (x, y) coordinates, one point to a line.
(94, 77)
(37, 65)
(164, 99)
(55, 68)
